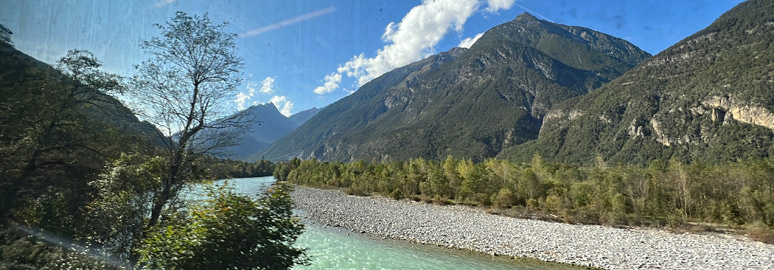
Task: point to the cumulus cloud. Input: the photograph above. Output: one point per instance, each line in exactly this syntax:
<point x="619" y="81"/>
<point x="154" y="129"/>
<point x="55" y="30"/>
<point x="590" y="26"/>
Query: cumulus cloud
<point x="466" y="43"/>
<point x="267" y="86"/>
<point x="413" y="38"/>
<point x="283" y="104"/>
<point x="331" y="83"/>
<point x="410" y="40"/>
<point x="496" y="5"/>
<point x="243" y="97"/>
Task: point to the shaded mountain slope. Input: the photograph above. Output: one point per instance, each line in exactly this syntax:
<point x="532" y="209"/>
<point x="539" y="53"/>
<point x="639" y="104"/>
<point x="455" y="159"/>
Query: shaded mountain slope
<point x="468" y="103"/>
<point x="18" y="69"/>
<point x="269" y="125"/>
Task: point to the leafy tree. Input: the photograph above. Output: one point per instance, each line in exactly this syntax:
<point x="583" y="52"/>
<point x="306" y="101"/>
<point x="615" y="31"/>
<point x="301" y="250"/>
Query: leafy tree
<point x="229" y="231"/>
<point x="528" y="185"/>
<point x="182" y="89"/>
<point x="121" y="202"/>
<point x="52" y="125"/>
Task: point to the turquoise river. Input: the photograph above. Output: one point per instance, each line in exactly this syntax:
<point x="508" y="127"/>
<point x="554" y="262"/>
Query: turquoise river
<point x="337" y="248"/>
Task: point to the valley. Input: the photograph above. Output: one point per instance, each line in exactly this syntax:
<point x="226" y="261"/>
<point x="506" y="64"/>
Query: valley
<point x="534" y="144"/>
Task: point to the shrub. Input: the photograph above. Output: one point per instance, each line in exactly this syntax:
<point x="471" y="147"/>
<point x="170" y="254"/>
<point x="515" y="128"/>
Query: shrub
<point x="229" y="231"/>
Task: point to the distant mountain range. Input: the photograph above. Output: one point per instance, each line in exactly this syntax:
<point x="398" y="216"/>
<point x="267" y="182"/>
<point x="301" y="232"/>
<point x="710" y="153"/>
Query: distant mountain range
<point x="530" y="87"/>
<point x="470" y="103"/>
<point x="710" y="98"/>
<point x="269" y="126"/>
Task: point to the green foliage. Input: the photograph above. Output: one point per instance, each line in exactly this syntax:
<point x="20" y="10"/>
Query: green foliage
<point x="504" y="198"/>
<point x="192" y="69"/>
<point x="78" y="166"/>
<point x="215" y="168"/>
<point x="59" y="127"/>
<point x="228" y="231"/>
<point x="115" y="215"/>
<point x="666" y="193"/>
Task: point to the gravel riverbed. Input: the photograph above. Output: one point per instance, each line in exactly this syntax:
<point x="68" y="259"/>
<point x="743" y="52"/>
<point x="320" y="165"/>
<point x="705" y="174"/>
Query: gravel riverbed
<point x="469" y="228"/>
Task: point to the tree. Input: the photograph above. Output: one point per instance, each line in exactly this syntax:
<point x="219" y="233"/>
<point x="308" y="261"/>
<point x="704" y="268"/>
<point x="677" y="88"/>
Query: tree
<point x="182" y="89"/>
<point x="50" y="124"/>
<point x="114" y="219"/>
<point x="528" y="185"/>
<point x="229" y="231"/>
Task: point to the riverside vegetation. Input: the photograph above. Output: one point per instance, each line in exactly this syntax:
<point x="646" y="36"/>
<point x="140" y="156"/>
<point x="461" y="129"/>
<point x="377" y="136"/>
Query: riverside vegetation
<point x="85" y="185"/>
<point x="665" y="193"/>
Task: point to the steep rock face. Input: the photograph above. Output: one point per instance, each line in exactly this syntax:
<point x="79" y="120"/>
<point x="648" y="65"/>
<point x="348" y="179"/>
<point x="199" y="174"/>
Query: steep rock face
<point x="709" y="97"/>
<point x="467" y="103"/>
<point x="724" y="108"/>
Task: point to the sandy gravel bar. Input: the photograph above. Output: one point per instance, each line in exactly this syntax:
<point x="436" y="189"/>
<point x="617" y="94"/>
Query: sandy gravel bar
<point x="469" y="228"/>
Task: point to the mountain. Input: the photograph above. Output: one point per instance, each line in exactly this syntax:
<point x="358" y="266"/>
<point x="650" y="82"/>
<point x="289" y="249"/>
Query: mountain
<point x="710" y="97"/>
<point x="18" y="70"/>
<point x="465" y="102"/>
<point x="301" y="117"/>
<point x="270" y="126"/>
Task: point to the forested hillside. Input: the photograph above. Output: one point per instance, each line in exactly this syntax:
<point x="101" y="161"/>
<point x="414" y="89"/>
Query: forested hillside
<point x="709" y="97"/>
<point x="469" y="103"/>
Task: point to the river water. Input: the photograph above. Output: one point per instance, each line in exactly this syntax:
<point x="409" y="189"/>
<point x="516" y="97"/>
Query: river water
<point x="336" y="248"/>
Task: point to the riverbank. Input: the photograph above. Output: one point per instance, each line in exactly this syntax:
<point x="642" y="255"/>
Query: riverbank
<point x="468" y="228"/>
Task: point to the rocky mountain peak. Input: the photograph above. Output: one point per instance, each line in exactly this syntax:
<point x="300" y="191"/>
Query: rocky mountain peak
<point x="526" y="17"/>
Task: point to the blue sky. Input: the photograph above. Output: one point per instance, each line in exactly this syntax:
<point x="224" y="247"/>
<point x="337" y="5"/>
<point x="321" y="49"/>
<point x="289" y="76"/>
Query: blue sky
<point x="303" y="54"/>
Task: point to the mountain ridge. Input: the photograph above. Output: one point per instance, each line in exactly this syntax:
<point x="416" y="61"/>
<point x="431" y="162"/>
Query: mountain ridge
<point x="465" y="102"/>
<point x="269" y="125"/>
<point x="706" y="98"/>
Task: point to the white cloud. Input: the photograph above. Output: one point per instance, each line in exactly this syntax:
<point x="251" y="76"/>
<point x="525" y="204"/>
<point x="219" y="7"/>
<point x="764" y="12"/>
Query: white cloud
<point x="331" y="83"/>
<point x="496" y="5"/>
<point x="163" y="3"/>
<point x="466" y="43"/>
<point x="412" y="39"/>
<point x="242" y="98"/>
<point x="283" y="104"/>
<point x="267" y="86"/>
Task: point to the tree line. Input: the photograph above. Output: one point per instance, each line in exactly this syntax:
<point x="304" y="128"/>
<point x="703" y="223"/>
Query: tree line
<point x="216" y="168"/>
<point x="664" y="193"/>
